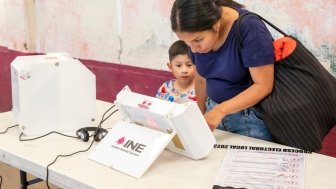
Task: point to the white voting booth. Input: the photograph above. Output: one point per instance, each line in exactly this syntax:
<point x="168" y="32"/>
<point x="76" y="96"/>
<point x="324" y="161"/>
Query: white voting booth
<point x="149" y="126"/>
<point x="52" y="92"/>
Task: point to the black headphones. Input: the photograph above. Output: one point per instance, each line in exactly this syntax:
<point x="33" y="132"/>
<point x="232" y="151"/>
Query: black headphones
<point x="99" y="133"/>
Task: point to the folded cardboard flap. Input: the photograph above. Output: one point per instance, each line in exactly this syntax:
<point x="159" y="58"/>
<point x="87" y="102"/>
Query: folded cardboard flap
<point x="130" y="148"/>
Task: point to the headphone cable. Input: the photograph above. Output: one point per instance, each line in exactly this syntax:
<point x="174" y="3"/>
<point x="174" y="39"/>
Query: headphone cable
<point x="9" y="128"/>
<point x="29" y="139"/>
<point x="99" y="126"/>
<point x="67" y="155"/>
<point x="103" y="120"/>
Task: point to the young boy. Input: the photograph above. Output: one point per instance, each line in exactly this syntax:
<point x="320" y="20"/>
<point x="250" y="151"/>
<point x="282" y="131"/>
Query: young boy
<point x="182" y="88"/>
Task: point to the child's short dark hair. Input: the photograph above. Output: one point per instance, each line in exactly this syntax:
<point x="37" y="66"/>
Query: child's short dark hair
<point x="178" y="48"/>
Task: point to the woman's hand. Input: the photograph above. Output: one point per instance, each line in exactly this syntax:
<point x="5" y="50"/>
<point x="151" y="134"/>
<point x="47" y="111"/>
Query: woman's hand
<point x="214" y="117"/>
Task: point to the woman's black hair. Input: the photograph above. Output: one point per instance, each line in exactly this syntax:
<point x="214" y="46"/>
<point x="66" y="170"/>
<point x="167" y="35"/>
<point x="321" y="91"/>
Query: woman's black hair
<point x="198" y="15"/>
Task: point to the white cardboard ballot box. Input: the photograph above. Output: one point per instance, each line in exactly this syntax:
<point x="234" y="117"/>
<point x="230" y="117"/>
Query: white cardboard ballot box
<point x="149" y="126"/>
<point x="52" y="92"/>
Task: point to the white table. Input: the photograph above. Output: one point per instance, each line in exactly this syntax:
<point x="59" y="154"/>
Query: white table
<point x="168" y="171"/>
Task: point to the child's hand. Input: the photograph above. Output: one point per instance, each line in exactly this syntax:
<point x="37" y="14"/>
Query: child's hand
<point x="214" y="118"/>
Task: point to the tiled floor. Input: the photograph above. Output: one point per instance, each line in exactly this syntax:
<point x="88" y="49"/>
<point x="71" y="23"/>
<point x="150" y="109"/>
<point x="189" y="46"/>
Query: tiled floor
<point x="11" y="179"/>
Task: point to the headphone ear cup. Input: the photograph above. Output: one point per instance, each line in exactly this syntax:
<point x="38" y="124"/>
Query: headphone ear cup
<point x="99" y="134"/>
<point x="83" y="134"/>
<point x="86" y="135"/>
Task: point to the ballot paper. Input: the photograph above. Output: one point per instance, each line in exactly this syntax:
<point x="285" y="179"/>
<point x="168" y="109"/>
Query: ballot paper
<point x="261" y="170"/>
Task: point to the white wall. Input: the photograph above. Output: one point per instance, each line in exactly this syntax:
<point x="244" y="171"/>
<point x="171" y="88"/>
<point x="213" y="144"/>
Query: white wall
<point x="312" y="22"/>
<point x="85" y="29"/>
<point x="13" y="27"/>
<point x="138" y="32"/>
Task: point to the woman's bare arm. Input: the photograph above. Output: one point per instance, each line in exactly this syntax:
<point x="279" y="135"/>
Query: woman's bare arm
<point x="263" y="80"/>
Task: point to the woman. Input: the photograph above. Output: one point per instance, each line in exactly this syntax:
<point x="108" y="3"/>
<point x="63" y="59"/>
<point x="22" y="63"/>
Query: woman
<point x="230" y="81"/>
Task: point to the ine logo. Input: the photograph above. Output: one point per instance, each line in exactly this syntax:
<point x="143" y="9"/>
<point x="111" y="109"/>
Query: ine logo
<point x="145" y="104"/>
<point x="120" y="140"/>
<point x="131" y="145"/>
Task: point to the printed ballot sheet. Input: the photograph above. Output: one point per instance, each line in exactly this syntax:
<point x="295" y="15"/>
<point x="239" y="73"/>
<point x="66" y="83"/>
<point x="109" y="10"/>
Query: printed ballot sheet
<point x="261" y="170"/>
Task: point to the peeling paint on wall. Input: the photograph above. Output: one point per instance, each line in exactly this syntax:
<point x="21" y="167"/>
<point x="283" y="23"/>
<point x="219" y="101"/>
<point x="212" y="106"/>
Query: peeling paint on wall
<point x="13" y="30"/>
<point x="146" y="34"/>
<point x="85" y="29"/>
<point x="313" y="23"/>
<point x="138" y="33"/>
<point x="3" y="25"/>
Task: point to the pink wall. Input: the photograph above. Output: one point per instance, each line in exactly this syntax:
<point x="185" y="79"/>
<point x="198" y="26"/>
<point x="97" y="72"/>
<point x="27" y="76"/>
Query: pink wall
<point x="6" y="57"/>
<point x="110" y="78"/>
